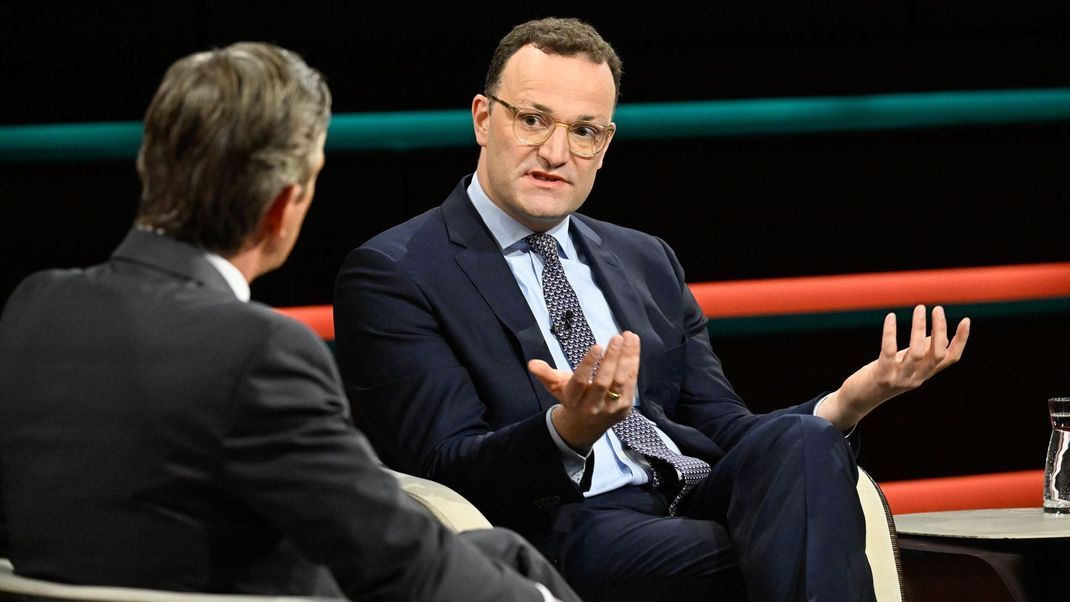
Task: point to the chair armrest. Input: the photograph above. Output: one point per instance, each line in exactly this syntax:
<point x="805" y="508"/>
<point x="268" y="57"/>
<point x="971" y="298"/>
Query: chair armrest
<point x="882" y="550"/>
<point x="445" y="504"/>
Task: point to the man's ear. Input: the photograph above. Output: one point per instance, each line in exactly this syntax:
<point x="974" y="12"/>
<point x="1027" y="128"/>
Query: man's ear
<point x="274" y="222"/>
<point x="481" y="118"/>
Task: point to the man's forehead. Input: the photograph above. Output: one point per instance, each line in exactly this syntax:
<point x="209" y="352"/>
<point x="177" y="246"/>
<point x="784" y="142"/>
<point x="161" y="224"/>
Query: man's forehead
<point x="549" y="82"/>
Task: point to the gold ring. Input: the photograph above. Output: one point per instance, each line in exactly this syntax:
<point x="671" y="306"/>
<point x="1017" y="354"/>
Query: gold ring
<point x="613" y="396"/>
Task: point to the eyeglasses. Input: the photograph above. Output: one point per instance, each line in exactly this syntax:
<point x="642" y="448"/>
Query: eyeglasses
<point x="533" y="128"/>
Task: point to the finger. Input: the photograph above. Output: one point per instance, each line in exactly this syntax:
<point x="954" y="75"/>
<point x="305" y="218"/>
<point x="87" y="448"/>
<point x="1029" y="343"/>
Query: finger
<point x="958" y="343"/>
<point x="607" y="370"/>
<point x="585" y="372"/>
<point x="550" y="378"/>
<point x="627" y="369"/>
<point x="888" y="344"/>
<point x="589" y="365"/>
<point x="938" y="344"/>
<point x="917" y="337"/>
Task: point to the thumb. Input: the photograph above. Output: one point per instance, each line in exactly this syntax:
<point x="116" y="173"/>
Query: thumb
<point x="548" y="376"/>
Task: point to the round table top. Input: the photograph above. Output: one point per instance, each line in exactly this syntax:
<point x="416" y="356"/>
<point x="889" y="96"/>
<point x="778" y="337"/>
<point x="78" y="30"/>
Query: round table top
<point x="1003" y="523"/>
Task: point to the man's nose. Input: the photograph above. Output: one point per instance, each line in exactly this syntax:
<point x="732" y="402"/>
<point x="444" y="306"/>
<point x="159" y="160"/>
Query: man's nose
<point x="555" y="150"/>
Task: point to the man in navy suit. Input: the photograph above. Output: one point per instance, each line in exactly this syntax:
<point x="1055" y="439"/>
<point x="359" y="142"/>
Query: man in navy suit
<point x="466" y="338"/>
<point x="158" y="430"/>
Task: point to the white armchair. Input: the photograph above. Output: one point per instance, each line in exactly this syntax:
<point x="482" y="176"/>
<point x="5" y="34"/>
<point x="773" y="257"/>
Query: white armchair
<point x="459" y="515"/>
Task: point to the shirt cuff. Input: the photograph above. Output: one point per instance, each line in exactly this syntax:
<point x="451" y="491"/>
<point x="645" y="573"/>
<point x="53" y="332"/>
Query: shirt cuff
<point x="573" y="462"/>
<point x="818" y="405"/>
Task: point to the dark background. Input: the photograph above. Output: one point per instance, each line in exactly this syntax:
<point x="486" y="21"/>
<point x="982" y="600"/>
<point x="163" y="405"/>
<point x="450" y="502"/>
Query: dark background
<point x="733" y="207"/>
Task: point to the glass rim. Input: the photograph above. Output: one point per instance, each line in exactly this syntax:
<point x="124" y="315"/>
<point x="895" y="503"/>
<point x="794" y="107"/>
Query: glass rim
<point x="606" y="130"/>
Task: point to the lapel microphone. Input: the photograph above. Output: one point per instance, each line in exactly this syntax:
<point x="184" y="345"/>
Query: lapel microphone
<point x="566" y="325"/>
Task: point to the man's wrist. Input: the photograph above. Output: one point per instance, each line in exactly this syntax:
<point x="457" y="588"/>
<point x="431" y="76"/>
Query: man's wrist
<point x="575" y="463"/>
<point x="829" y="407"/>
<point x="580" y="442"/>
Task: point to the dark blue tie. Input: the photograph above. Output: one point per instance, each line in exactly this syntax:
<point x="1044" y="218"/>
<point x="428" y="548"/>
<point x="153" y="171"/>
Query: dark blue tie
<point x="572" y="331"/>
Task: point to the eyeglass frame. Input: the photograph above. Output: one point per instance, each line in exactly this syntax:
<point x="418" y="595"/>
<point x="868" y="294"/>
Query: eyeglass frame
<point x="608" y="129"/>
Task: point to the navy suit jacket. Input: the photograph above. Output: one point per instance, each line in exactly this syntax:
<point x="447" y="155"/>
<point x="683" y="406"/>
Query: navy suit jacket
<point x="433" y="337"/>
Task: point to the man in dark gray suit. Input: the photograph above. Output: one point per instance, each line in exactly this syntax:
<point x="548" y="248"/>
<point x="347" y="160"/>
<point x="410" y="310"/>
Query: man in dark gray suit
<point x="158" y="431"/>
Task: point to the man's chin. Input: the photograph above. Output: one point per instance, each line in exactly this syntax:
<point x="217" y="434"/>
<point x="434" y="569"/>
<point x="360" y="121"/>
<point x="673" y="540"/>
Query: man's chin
<point x="548" y="204"/>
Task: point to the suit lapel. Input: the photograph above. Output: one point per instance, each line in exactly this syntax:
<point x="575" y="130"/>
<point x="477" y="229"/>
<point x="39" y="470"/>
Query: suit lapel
<point x="615" y="282"/>
<point x="480" y="258"/>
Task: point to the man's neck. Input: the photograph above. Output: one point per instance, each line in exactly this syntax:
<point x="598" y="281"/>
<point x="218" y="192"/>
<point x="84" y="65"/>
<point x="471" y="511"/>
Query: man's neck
<point x="505" y="229"/>
<point x="250" y="263"/>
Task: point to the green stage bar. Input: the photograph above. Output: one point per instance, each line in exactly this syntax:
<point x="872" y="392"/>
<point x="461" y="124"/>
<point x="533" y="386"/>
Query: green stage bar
<point x="403" y="131"/>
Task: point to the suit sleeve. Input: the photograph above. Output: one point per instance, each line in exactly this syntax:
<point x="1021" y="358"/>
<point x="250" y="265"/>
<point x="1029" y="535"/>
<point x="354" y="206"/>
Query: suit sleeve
<point x="707" y="401"/>
<point x="292" y="455"/>
<point x="411" y="385"/>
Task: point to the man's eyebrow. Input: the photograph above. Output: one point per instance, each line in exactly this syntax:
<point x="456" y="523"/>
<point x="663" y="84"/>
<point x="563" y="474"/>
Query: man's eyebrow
<point x="549" y="111"/>
<point x="543" y="108"/>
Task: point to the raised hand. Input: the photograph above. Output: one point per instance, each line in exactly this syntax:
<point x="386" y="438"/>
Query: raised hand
<point x="597" y="395"/>
<point x="896" y="371"/>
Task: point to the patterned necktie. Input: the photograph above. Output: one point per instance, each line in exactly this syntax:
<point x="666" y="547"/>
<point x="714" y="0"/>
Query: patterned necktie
<point x="570" y="327"/>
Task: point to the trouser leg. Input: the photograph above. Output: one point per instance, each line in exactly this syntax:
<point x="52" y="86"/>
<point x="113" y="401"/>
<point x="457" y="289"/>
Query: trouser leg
<point x="622" y="548"/>
<point x="786" y="495"/>
<point x="516" y="552"/>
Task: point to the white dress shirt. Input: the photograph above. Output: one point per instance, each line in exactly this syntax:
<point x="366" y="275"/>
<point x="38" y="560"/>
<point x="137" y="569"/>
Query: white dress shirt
<point x="232" y="275"/>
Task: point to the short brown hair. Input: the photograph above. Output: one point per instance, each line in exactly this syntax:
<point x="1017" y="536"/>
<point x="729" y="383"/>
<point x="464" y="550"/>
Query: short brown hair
<point x="566" y="37"/>
<point x="225" y="132"/>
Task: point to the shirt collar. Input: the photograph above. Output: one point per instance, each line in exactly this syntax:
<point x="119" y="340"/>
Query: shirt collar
<point x="232" y="275"/>
<point x="509" y="233"/>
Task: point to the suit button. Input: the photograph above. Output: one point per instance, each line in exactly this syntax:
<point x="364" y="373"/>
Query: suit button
<point x="548" y="501"/>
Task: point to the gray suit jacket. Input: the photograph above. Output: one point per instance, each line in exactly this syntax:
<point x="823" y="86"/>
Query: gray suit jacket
<point x="157" y="432"/>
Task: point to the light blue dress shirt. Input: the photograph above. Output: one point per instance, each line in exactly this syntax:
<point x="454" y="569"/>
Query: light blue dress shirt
<point x="615" y="466"/>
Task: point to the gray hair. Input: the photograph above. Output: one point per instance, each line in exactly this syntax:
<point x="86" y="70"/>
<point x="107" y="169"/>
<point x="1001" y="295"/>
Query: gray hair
<point x="227" y="130"/>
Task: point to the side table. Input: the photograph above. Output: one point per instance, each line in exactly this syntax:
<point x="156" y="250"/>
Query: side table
<point x="1004" y="555"/>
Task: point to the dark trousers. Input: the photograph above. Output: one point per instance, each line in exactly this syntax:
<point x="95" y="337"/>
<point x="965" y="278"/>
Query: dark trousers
<point x="516" y="553"/>
<point x="777" y="519"/>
